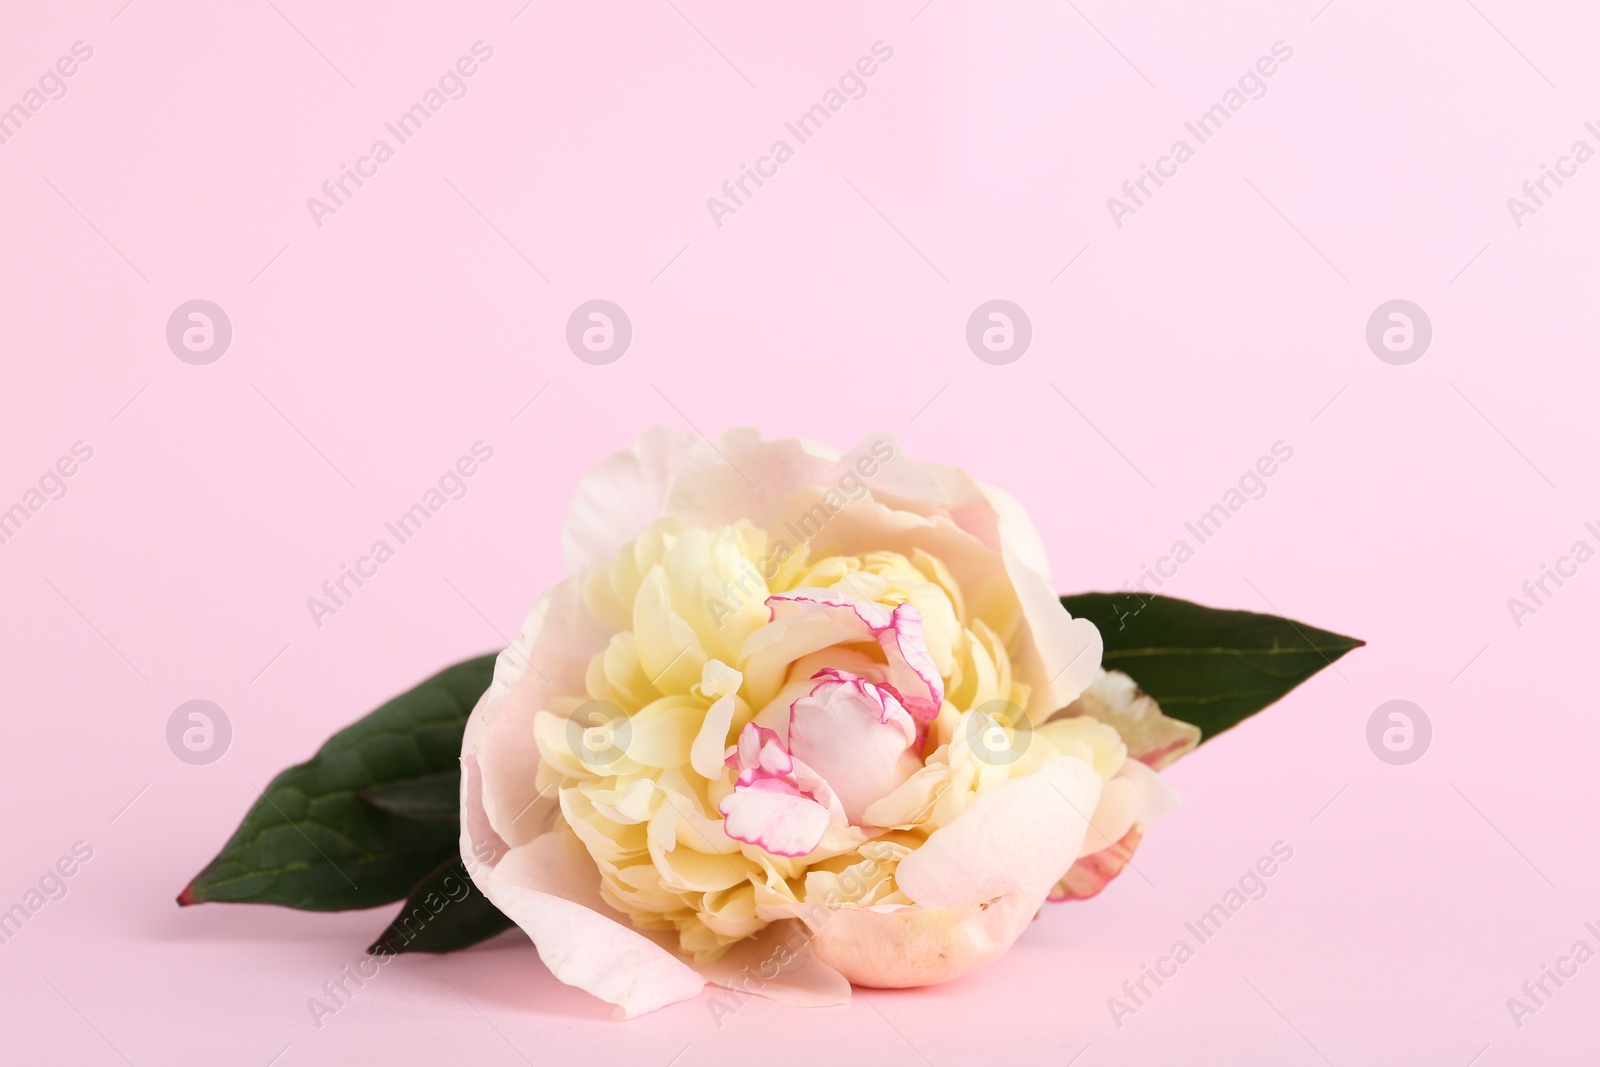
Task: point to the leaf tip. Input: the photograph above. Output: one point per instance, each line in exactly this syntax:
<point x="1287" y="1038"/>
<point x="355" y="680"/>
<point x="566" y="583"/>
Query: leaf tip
<point x="187" y="897"/>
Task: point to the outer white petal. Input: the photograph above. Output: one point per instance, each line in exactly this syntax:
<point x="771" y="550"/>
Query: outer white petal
<point x="549" y="887"/>
<point x="779" y="964"/>
<point x="1067" y="650"/>
<point x="550" y="656"/>
<point x="900" y="947"/>
<point x="622" y="495"/>
<point x="1151" y="737"/>
<point x="1019" y="837"/>
<point x="744" y="477"/>
<point x="1136" y="796"/>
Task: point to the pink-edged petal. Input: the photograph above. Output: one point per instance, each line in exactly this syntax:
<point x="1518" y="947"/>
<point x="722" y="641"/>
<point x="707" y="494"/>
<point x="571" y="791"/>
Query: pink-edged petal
<point x="898" y="632"/>
<point x="550" y="888"/>
<point x="759" y="753"/>
<point x="1092" y="873"/>
<point x="622" y="495"/>
<point x="778" y="803"/>
<point x="1134" y="799"/>
<point x="776" y="819"/>
<point x="857" y="736"/>
<point x="1019" y="837"/>
<point x="778" y="964"/>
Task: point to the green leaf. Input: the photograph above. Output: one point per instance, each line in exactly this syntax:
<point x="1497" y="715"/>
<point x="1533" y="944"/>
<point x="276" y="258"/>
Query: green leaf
<point x="432" y="796"/>
<point x="443" y="913"/>
<point x="312" y="842"/>
<point x="1206" y="666"/>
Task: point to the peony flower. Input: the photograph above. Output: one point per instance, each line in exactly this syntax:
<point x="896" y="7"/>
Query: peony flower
<point x="794" y="721"/>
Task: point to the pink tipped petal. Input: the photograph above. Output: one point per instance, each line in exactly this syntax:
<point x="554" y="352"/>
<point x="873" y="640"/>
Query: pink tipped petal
<point x="778" y="803"/>
<point x="1092" y="873"/>
<point x="857" y="736"/>
<point x="1137" y="796"/>
<point x="911" y="668"/>
<point x="760" y="754"/>
<point x="775" y="819"/>
<point x="1019" y="837"/>
<point x="549" y="887"/>
<point x="898" y="633"/>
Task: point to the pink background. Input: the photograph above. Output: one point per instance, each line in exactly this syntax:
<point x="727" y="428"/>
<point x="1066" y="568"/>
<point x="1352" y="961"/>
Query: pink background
<point x="1227" y="314"/>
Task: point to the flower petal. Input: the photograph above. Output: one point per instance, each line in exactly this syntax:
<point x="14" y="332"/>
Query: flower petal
<point x="1151" y="737"/>
<point x="1019" y="837"/>
<point x="772" y="817"/>
<point x="1092" y="873"/>
<point x="551" y="654"/>
<point x="817" y="618"/>
<point x="622" y="495"/>
<point x="857" y="736"/>
<point x="899" y="947"/>
<point x="778" y="963"/>
<point x="706" y="755"/>
<point x="1065" y="651"/>
<point x="549" y="887"/>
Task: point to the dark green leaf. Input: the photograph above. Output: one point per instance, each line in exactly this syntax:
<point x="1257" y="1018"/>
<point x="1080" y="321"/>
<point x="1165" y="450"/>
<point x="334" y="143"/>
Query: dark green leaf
<point x="1206" y="666"/>
<point x="311" y="842"/>
<point x="444" y="913"/>
<point x="433" y="796"/>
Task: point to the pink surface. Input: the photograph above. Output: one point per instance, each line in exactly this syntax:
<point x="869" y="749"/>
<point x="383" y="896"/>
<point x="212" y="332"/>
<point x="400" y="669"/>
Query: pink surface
<point x="1226" y="314"/>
